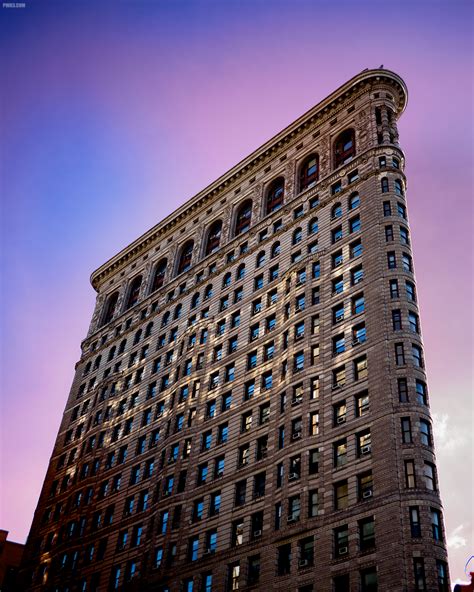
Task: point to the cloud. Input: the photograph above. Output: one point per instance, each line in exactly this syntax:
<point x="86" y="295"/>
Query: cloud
<point x="455" y="539"/>
<point x="448" y="439"/>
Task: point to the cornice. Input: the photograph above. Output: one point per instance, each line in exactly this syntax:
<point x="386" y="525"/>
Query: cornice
<point x="244" y="168"/>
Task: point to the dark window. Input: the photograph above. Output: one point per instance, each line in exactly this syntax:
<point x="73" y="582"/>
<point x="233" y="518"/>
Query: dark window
<point x="309" y="172"/>
<point x="185" y="257"/>
<point x="214" y="237"/>
<point x="243" y="218"/>
<point x="110" y="307"/>
<point x="159" y="277"/>
<point x="133" y="292"/>
<point x="344" y="148"/>
<point x="275" y="195"/>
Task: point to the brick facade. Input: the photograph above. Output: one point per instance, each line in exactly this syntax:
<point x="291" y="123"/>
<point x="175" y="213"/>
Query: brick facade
<point x="302" y="371"/>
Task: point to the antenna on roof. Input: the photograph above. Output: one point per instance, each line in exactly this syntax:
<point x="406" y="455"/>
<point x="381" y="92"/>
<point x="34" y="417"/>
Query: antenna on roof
<point x="381" y="67"/>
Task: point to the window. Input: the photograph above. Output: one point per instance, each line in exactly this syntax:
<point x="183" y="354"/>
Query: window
<point x="368" y="580"/>
<point x="406" y="430"/>
<point x="391" y="260"/>
<point x="410" y="476"/>
<point x="313" y="503"/>
<point x="275" y="251"/>
<point x="352" y="176"/>
<point x="367" y="534"/>
<point x="421" y="393"/>
<point x="442" y="573"/>
<point x="133" y="292"/>
<point x="215" y="503"/>
<point x="336" y="234"/>
<point x="404" y="236"/>
<point x="249" y="389"/>
<point x="275" y="195"/>
<point x="211" y="541"/>
<point x="396" y="319"/>
<point x="341" y="583"/>
<point x="399" y="354"/>
<point x="415" y="525"/>
<point x="214" y="237"/>
<point x="360" y="368"/>
<point x="358" y="334"/>
<point x="354" y="201"/>
<point x="336" y="211"/>
<point x="398" y="186"/>
<point x="309" y="172"/>
<point x="410" y="291"/>
<point x="259" y="485"/>
<point x="339" y="413"/>
<point x="233" y="576"/>
<point x="339" y="377"/>
<point x="109" y="309"/>
<point x="273" y="273"/>
<point x="407" y="262"/>
<point x="394" y="289"/>
<point x="429" y="476"/>
<point x="284" y="559"/>
<point x="243" y="218"/>
<point x="297" y="236"/>
<point x="387" y="209"/>
<point x="425" y="433"/>
<point x="419" y="572"/>
<point x="344" y="148"/>
<point x="341" y="495"/>
<point x="384" y="186"/>
<point x="338" y="285"/>
<point x="389" y="233"/>
<point x="417" y="354"/>
<point x="341" y="541"/>
<point x="235" y="320"/>
<point x="338" y="344"/>
<point x="354" y="224"/>
<point x="202" y="474"/>
<point x="436" y="526"/>
<point x="253" y="570"/>
<point x="306" y="551"/>
<point x="222" y="433"/>
<point x="365" y="486"/>
<point x="185" y="257"/>
<point x="240" y="492"/>
<point x="355" y="249"/>
<point x="357" y="304"/>
<point x="340" y="453"/>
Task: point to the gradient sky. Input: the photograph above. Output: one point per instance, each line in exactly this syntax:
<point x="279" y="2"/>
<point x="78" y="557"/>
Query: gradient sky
<point x="115" y="113"/>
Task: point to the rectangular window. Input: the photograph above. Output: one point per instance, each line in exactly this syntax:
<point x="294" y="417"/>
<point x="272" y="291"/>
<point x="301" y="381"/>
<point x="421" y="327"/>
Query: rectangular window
<point x="406" y="430"/>
<point x="341" y="495"/>
<point x="410" y="476"/>
<point x="391" y="260"/>
<point x="367" y="534"/>
<point x="394" y="293"/>
<point x="341" y="541"/>
<point x="419" y="572"/>
<point x="399" y="354"/>
<point x="415" y="525"/>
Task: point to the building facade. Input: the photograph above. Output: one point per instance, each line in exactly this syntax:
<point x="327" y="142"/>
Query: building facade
<point x="250" y="408"/>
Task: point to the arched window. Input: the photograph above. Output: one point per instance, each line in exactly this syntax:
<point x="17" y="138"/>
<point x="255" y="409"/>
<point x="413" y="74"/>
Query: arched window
<point x="260" y="260"/>
<point x="185" y="257"/>
<point x="97" y="362"/>
<point x="87" y="369"/>
<point x="354" y="201"/>
<point x="133" y="292"/>
<point x="243" y="218"/>
<point x="398" y="186"/>
<point x="384" y="184"/>
<point x="149" y="329"/>
<point x="166" y="319"/>
<point x="275" y="249"/>
<point x="297" y="236"/>
<point x="177" y="311"/>
<point x="336" y="211"/>
<point x="109" y="308"/>
<point x="275" y="194"/>
<point x="208" y="292"/>
<point x="159" y="277"/>
<point x="195" y="300"/>
<point x="313" y="226"/>
<point x="309" y="172"/>
<point x="214" y="237"/>
<point x="240" y="272"/>
<point x="344" y="147"/>
<point x="122" y="346"/>
<point x="226" y="280"/>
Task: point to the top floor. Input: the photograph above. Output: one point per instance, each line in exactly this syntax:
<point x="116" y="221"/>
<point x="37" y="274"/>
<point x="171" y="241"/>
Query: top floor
<point x="310" y="155"/>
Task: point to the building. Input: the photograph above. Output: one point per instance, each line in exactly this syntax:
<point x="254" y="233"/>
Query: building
<point x="10" y="559"/>
<point x="250" y="408"/>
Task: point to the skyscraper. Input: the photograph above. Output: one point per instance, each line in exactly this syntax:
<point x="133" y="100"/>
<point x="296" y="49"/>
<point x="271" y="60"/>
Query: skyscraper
<point x="250" y="408"/>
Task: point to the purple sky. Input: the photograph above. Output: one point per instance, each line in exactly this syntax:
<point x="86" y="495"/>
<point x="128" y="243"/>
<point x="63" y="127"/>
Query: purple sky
<point x="113" y="114"/>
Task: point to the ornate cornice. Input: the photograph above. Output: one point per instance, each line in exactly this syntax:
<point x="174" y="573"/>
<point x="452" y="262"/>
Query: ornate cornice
<point x="315" y="116"/>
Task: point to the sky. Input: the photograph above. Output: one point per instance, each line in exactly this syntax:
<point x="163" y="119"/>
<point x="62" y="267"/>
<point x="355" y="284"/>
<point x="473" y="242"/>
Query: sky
<point x="115" y="113"/>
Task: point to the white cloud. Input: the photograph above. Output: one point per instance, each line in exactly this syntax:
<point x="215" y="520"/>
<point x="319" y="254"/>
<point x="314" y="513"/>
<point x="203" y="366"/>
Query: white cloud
<point x="455" y="539"/>
<point x="448" y="439"/>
